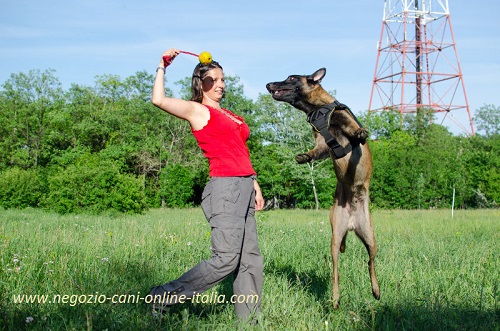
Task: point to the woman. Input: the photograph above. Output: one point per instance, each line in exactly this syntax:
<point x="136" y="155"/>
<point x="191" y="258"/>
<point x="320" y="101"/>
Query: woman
<point x="229" y="199"/>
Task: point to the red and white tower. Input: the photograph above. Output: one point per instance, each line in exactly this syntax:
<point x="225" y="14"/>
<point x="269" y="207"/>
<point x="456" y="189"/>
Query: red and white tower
<point x="417" y="64"/>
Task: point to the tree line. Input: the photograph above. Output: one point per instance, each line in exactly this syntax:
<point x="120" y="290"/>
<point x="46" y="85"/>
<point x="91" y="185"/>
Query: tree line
<point x="106" y="148"/>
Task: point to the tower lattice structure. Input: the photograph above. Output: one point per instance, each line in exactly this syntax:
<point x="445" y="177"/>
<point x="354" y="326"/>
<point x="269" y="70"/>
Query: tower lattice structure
<point x="417" y="65"/>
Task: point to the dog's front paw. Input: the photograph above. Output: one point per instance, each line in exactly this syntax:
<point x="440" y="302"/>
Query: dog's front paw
<point x="361" y="134"/>
<point x="303" y="158"/>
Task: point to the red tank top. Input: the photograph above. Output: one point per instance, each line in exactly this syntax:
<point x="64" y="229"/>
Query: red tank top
<point x="223" y="142"/>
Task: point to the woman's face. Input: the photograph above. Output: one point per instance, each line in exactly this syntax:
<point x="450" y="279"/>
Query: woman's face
<point x="213" y="85"/>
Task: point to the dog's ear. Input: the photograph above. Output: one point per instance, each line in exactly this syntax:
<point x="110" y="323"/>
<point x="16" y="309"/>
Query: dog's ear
<point x="317" y="76"/>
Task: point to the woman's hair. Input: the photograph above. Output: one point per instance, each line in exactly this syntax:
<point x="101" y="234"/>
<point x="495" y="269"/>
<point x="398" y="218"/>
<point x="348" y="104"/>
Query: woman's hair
<point x="199" y="73"/>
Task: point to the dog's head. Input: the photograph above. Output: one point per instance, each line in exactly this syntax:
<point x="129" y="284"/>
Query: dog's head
<point x="300" y="91"/>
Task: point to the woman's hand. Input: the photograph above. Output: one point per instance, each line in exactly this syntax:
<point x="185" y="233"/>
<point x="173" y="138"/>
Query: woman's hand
<point x="259" y="199"/>
<point x="168" y="57"/>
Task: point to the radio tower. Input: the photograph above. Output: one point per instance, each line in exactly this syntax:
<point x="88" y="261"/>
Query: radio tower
<point x="417" y="64"/>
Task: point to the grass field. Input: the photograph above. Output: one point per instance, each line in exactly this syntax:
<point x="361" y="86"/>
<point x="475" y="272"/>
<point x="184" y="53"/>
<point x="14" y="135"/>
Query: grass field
<point x="435" y="272"/>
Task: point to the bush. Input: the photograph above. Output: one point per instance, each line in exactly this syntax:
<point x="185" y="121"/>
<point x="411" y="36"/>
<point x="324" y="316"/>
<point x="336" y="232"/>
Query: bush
<point x="20" y="188"/>
<point x="94" y="185"/>
<point x="176" y="185"/>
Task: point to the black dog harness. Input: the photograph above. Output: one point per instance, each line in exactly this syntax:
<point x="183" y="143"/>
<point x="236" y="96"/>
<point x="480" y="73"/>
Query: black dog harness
<point x="320" y="121"/>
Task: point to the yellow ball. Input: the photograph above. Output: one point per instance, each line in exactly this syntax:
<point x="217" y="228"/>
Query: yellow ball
<point x="205" y="58"/>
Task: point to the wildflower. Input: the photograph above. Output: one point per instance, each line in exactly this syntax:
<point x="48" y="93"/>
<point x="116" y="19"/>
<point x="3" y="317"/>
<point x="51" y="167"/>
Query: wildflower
<point x="189" y="243"/>
<point x="15" y="260"/>
<point x="29" y="319"/>
<point x="105" y="259"/>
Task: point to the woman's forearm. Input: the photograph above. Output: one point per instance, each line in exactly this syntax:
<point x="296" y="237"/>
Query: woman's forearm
<point x="159" y="86"/>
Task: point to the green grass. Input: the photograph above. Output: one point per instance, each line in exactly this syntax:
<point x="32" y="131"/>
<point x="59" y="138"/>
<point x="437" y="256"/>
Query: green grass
<point x="435" y="272"/>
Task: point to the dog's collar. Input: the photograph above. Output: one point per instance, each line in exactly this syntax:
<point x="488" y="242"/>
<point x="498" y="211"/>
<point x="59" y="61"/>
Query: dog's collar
<point x="320" y="121"/>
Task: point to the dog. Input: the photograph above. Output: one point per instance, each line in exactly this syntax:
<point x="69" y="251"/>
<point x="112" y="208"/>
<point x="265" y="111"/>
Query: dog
<point x="340" y="136"/>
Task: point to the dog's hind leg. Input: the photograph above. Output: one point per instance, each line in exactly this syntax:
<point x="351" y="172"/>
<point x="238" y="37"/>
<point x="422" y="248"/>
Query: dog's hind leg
<point x="342" y="244"/>
<point x="364" y="230"/>
<point x="338" y="217"/>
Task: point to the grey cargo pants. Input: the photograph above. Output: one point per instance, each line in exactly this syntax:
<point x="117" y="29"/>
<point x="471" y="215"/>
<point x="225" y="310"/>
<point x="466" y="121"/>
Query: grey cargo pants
<point x="229" y="206"/>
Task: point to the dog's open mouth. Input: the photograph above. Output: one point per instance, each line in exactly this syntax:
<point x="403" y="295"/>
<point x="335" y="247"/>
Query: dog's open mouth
<point x="277" y="93"/>
<point x="280" y="93"/>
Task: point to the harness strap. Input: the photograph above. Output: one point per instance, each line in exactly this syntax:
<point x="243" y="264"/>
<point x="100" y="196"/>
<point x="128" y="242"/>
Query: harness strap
<point x="320" y="121"/>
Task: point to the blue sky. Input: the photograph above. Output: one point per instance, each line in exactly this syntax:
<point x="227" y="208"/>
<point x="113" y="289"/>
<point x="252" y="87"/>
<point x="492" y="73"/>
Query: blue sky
<point x="260" y="41"/>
